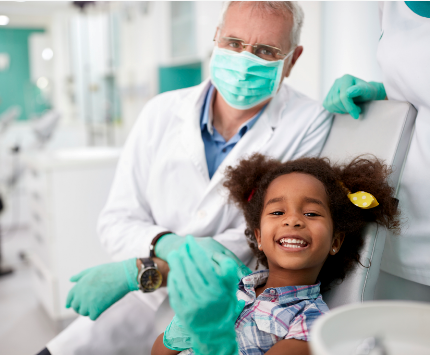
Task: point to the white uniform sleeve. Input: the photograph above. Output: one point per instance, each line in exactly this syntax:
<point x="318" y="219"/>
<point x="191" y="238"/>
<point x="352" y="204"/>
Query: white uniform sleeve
<point x="125" y="226"/>
<point x="314" y="140"/>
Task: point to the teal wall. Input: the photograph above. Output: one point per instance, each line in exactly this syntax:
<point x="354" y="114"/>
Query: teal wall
<point x="15" y="86"/>
<point x="179" y="77"/>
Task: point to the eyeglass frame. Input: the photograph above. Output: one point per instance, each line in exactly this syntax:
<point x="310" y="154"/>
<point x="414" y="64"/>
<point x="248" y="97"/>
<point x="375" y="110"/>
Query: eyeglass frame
<point x="254" y="46"/>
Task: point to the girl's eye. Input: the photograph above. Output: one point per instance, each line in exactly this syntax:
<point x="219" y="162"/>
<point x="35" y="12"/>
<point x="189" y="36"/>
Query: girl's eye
<point x="277" y="213"/>
<point x="311" y="214"/>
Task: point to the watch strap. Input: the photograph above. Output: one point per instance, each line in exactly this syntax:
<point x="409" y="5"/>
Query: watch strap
<point x="147" y="262"/>
<point x="154" y="241"/>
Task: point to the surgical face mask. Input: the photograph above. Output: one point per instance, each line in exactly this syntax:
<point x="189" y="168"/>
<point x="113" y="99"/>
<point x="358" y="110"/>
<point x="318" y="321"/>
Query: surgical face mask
<point x="243" y="79"/>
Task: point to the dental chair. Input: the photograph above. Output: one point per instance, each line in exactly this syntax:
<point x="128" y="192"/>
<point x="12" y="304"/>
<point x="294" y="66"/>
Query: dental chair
<point x="383" y="129"/>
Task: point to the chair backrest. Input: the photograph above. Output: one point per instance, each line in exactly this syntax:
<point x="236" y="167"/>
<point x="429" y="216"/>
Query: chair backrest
<point x="383" y="129"/>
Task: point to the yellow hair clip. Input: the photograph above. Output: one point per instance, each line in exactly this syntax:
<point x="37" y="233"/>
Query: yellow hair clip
<point x="361" y="199"/>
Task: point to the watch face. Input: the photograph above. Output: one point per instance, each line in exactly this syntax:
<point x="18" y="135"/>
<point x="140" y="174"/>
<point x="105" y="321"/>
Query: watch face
<point x="151" y="280"/>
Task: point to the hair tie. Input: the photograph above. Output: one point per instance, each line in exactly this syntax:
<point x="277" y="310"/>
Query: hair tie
<point x="360" y="199"/>
<point x="251" y="194"/>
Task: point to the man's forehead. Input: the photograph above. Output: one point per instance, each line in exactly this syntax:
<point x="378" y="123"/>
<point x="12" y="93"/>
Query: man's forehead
<point x="249" y="22"/>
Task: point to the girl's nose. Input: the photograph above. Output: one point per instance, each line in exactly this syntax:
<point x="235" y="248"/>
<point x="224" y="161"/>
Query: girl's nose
<point x="293" y="220"/>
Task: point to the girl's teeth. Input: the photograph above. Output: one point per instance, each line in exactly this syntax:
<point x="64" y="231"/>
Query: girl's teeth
<point x="292" y="243"/>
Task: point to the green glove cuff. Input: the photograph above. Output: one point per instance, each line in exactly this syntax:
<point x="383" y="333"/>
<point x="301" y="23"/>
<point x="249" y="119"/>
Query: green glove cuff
<point x="166" y="244"/>
<point x="380" y="90"/>
<point x="176" y="337"/>
<point x="130" y="269"/>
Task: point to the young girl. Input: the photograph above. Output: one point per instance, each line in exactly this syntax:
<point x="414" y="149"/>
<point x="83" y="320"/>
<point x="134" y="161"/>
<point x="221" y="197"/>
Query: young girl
<point x="305" y="226"/>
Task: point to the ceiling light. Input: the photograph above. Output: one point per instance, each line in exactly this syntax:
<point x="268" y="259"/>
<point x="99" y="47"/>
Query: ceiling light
<point x="47" y="54"/>
<point x="42" y="82"/>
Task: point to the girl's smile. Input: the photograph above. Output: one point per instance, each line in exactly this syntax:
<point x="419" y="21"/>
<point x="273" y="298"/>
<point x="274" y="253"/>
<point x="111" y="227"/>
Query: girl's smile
<point x="293" y="243"/>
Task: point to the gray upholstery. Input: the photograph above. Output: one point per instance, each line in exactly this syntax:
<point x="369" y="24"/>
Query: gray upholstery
<point x="384" y="129"/>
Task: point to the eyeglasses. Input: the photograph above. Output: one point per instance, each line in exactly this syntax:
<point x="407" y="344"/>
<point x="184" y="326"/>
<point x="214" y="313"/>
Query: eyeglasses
<point x="264" y="51"/>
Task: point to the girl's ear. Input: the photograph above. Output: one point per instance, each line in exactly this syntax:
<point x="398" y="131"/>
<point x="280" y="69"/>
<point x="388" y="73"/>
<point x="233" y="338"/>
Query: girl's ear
<point x="258" y="237"/>
<point x="337" y="242"/>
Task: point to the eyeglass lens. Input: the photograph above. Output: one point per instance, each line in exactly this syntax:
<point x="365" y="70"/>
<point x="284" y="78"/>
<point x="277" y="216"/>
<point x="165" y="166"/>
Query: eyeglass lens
<point x="260" y="50"/>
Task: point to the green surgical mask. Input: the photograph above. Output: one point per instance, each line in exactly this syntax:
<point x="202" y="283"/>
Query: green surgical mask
<point x="243" y="79"/>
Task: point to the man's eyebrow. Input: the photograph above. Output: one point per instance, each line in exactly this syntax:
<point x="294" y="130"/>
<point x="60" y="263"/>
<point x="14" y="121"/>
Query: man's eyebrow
<point x="268" y="43"/>
<point x="274" y="200"/>
<point x="314" y="200"/>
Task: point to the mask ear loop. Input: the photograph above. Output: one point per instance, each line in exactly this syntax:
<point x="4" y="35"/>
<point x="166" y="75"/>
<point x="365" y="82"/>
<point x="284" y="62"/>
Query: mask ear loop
<point x="289" y="56"/>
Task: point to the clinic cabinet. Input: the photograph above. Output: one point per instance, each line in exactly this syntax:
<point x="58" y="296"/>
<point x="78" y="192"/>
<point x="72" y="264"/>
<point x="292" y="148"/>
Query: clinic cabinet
<point x="67" y="191"/>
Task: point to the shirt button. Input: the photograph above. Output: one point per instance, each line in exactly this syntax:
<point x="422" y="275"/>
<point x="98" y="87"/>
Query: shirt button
<point x="201" y="214"/>
<point x="272" y="292"/>
<point x="224" y="150"/>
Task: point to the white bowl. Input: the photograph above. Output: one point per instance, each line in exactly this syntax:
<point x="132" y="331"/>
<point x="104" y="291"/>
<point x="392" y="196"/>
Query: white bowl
<point x="400" y="328"/>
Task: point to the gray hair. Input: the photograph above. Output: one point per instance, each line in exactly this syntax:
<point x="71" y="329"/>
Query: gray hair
<point x="284" y="7"/>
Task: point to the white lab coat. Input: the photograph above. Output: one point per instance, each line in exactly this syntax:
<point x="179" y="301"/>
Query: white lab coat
<point x="404" y="57"/>
<point x="162" y="183"/>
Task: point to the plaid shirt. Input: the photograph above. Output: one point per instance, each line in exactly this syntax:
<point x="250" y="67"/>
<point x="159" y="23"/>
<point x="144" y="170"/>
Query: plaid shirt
<point x="276" y="314"/>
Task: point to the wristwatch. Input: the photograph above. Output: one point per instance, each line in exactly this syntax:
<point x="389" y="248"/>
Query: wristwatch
<point x="149" y="278"/>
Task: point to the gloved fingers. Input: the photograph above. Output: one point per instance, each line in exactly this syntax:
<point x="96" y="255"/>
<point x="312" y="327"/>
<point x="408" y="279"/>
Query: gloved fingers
<point x="76" y="305"/>
<point x="331" y="102"/>
<point x="355" y="91"/>
<point x="94" y="313"/>
<point x="197" y="277"/>
<point x="241" y="271"/>
<point x="228" y="274"/>
<point x="349" y="105"/>
<point x="77" y="277"/>
<point x="70" y="296"/>
<point x="83" y="310"/>
<point x="336" y="104"/>
<point x="177" y="274"/>
<point x="175" y="294"/>
<point x="197" y="262"/>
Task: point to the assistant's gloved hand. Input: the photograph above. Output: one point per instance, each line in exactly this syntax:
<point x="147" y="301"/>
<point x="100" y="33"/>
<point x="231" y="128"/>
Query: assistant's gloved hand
<point x="99" y="287"/>
<point x="170" y="242"/>
<point x="348" y="90"/>
<point x="204" y="300"/>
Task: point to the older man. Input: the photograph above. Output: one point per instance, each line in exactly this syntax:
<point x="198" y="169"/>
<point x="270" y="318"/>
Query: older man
<point x="169" y="178"/>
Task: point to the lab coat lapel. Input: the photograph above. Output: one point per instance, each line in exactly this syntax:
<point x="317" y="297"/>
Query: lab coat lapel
<point x="191" y="136"/>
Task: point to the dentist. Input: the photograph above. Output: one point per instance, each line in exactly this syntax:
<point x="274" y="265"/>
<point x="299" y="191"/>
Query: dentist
<point x="169" y="178"/>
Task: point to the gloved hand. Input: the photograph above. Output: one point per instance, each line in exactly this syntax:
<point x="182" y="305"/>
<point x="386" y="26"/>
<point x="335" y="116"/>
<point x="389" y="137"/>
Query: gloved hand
<point x="204" y="300"/>
<point x="170" y="242"/>
<point x="99" y="287"/>
<point x="348" y="90"/>
<point x="177" y="338"/>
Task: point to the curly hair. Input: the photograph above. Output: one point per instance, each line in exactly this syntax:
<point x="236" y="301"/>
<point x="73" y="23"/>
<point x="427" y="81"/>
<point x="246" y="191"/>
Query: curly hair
<point x="248" y="181"/>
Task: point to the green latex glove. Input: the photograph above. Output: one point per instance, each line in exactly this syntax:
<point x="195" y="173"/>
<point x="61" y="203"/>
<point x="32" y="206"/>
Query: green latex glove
<point x="204" y="300"/>
<point x="99" y="287"/>
<point x="177" y="338"/>
<point x="170" y="242"/>
<point x="348" y="90"/>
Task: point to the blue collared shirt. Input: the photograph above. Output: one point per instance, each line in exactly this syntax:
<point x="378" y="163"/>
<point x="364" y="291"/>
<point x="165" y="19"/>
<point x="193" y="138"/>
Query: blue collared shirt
<point x="216" y="148"/>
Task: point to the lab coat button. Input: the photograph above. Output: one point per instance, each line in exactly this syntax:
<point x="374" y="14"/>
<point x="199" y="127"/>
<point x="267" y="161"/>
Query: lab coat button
<point x="201" y="214"/>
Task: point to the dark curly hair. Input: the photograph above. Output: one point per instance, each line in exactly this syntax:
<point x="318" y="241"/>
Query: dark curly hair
<point x="248" y="181"/>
